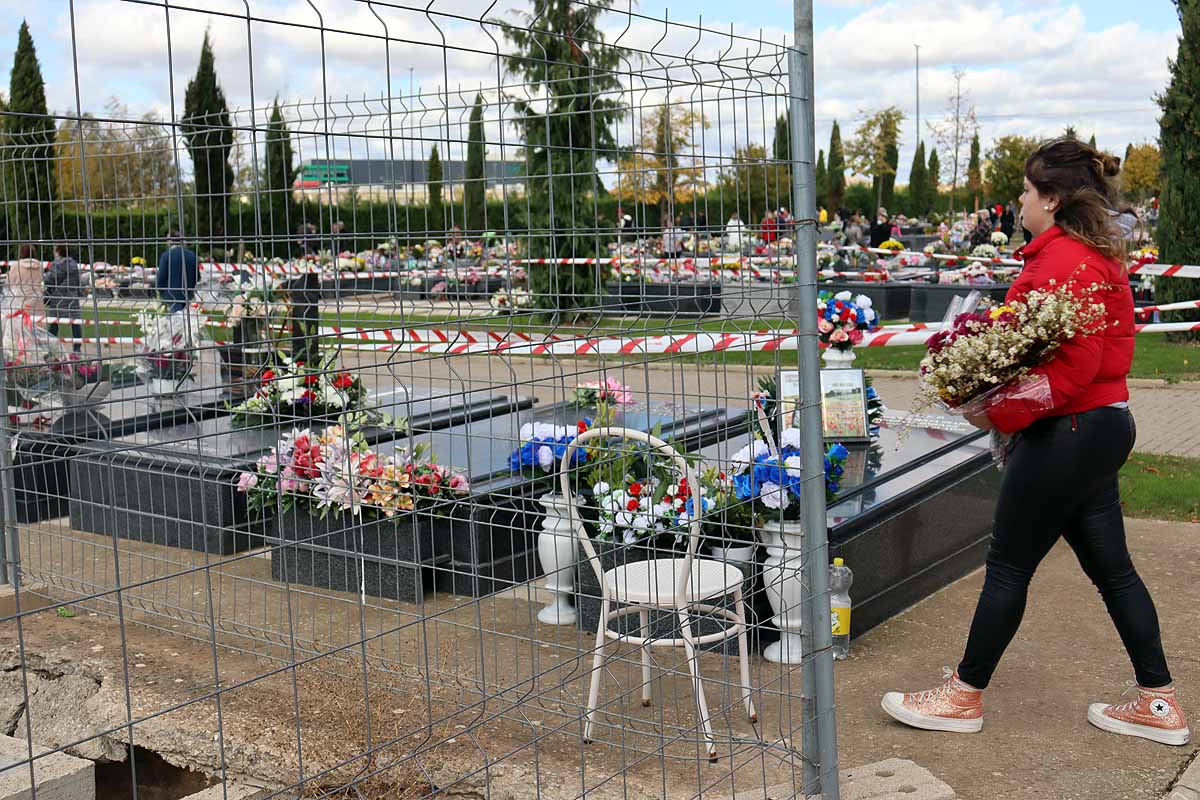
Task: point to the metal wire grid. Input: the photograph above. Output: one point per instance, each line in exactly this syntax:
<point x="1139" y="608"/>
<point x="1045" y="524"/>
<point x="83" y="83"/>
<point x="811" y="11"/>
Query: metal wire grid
<point x="481" y="658"/>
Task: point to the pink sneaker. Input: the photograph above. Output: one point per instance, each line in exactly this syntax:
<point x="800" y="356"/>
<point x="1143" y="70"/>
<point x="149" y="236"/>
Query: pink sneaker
<point x="954" y="706"/>
<point x="1154" y="715"/>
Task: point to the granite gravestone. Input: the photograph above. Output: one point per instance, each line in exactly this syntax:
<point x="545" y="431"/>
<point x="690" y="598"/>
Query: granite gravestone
<point x="177" y="486"/>
<point x="484" y="542"/>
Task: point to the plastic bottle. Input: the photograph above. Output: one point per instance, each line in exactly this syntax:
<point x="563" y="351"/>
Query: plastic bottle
<point x="840" y="578"/>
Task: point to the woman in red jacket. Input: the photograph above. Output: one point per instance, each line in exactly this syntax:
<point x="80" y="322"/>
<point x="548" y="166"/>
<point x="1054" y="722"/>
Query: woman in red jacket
<point x="1061" y="475"/>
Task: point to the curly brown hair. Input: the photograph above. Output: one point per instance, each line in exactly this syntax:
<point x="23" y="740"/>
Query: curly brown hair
<point x="1080" y="178"/>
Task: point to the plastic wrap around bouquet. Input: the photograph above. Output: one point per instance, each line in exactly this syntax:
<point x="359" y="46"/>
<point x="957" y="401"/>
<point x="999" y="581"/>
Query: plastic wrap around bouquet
<point x="176" y="358"/>
<point x="43" y="381"/>
<point x="983" y="356"/>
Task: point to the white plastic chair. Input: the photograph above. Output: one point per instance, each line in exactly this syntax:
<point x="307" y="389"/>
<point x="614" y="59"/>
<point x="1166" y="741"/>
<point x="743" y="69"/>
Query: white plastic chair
<point x="681" y="585"/>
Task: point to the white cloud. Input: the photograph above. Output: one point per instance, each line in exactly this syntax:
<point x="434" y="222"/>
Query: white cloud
<point x="1030" y="68"/>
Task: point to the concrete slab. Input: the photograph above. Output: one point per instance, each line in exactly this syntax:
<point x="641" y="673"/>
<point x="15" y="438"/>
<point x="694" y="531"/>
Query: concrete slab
<point x="1188" y="785"/>
<point x="57" y="776"/>
<point x="229" y="791"/>
<point x="892" y="779"/>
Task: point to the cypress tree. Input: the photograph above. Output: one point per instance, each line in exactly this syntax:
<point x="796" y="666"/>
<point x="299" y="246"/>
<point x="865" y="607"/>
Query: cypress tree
<point x="889" y="180"/>
<point x="280" y="208"/>
<point x="475" y="188"/>
<point x="781" y="173"/>
<point x="918" y="191"/>
<point x="974" y="171"/>
<point x="836" y="169"/>
<point x="29" y="132"/>
<point x="933" y="180"/>
<point x="822" y="182"/>
<point x="1092" y="141"/>
<point x="435" y="219"/>
<point x="209" y="139"/>
<point x="1178" y="233"/>
<point x="1128" y="152"/>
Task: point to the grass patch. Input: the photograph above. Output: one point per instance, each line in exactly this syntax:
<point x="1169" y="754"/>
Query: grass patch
<point x="1161" y="487"/>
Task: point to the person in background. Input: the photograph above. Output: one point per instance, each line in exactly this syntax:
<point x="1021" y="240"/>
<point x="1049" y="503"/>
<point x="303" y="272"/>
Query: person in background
<point x="672" y="238"/>
<point x="769" y="231"/>
<point x="178" y="272"/>
<point x="881" y="229"/>
<point x="734" y="230"/>
<point x="854" y="229"/>
<point x="63" y="291"/>
<point x="304" y="297"/>
<point x="823" y="216"/>
<point x="1008" y="220"/>
<point x="1061" y="477"/>
<point x="784" y="223"/>
<point x="25" y="283"/>
<point x="982" y="232"/>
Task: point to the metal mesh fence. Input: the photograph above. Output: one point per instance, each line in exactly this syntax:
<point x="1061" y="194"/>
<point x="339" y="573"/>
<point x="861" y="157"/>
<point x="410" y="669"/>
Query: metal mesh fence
<point x="291" y="383"/>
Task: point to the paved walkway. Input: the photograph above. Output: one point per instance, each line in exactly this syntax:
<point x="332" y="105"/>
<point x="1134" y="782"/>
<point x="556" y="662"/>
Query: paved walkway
<point x="1168" y="416"/>
<point x="1036" y="741"/>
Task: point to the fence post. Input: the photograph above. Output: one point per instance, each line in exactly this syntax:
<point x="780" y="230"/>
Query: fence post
<point x="819" y="734"/>
<point x="9" y="547"/>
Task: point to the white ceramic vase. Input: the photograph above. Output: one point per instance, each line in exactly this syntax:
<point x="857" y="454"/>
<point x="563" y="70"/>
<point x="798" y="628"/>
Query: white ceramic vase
<point x="781" y="575"/>
<point x="838" y="359"/>
<point x="743" y="554"/>
<point x="557" y="550"/>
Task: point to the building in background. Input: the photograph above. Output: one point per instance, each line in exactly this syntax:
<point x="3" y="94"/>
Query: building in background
<point x="333" y="180"/>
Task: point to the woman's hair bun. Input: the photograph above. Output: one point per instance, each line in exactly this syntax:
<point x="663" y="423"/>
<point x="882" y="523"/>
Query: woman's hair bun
<point x="1110" y="165"/>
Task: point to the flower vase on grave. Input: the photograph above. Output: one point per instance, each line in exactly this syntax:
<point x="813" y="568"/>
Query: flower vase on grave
<point x="838" y="359"/>
<point x="558" y="553"/>
<point x="781" y="576"/>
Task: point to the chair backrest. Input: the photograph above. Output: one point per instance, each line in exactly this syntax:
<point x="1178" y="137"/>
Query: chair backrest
<point x="660" y="448"/>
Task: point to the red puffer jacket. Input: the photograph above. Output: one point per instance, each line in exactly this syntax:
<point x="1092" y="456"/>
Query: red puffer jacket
<point x="1088" y="371"/>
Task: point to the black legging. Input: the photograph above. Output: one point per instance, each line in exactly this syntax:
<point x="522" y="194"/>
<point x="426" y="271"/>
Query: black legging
<point x="76" y="333"/>
<point x="1061" y="480"/>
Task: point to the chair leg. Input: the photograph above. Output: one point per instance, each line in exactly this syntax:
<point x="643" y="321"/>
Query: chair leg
<point x="597" y="669"/>
<point x="644" y="631"/>
<point x="693" y="660"/>
<point x="739" y="610"/>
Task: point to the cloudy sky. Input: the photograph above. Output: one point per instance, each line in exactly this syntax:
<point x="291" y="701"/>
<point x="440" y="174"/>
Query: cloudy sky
<point x="1031" y="66"/>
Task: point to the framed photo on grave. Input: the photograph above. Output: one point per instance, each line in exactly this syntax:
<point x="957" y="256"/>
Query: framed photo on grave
<point x="843" y="404"/>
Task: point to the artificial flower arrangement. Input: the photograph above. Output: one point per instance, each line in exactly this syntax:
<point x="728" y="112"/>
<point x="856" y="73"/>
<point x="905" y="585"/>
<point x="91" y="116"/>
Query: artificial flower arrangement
<point x="893" y="245"/>
<point x="510" y="299"/>
<point x="771" y="482"/>
<point x="1145" y="255"/>
<point x="973" y="274"/>
<point x="936" y="247"/>
<point x="595" y="393"/>
<point x="985" y="251"/>
<point x="294" y="389"/>
<point x="543" y="446"/>
<point x="981" y="355"/>
<point x="999" y="239"/>
<point x="335" y="472"/>
<point x="841" y="320"/>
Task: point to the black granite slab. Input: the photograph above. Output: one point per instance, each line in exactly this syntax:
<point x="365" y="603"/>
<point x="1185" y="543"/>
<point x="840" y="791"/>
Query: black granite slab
<point x="177" y="486"/>
<point x="42" y="458"/>
<point x="389" y="557"/>
<point x="930" y="301"/>
<point x="681" y="298"/>
<point x="488" y="542"/>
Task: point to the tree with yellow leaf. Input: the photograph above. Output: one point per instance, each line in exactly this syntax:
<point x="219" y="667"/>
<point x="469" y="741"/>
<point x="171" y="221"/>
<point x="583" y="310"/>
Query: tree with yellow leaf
<point x="661" y="168"/>
<point x="1141" y="170"/>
